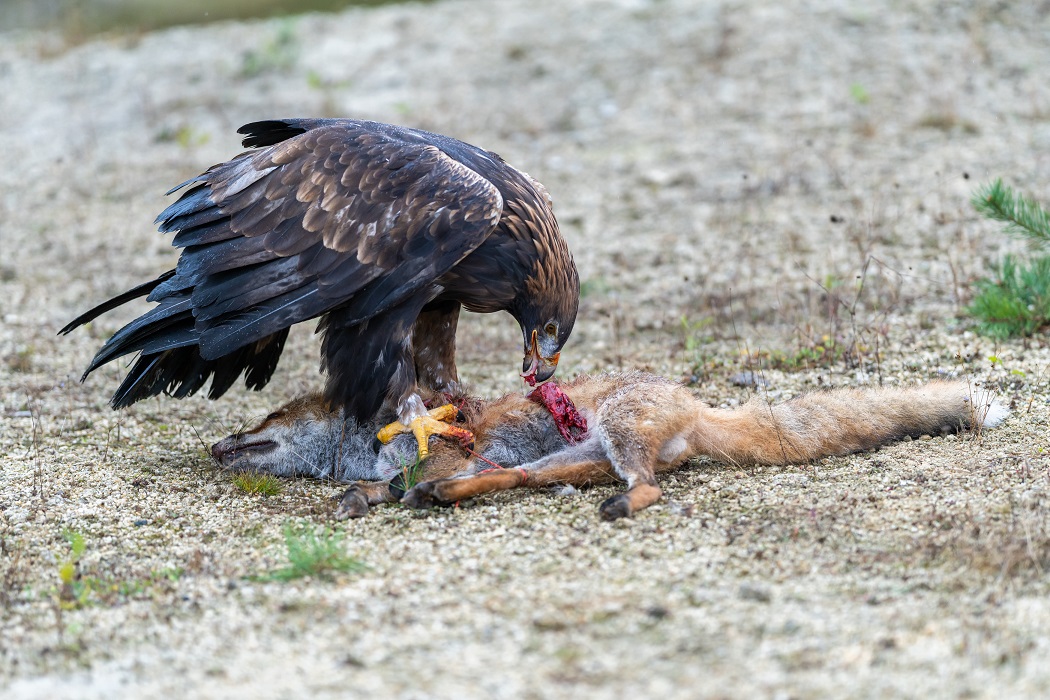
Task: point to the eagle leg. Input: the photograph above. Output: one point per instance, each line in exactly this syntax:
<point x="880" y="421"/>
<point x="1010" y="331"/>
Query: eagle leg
<point x="436" y="421"/>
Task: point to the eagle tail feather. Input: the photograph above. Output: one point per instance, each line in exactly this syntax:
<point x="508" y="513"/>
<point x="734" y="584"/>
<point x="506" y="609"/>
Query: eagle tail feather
<point x="181" y="371"/>
<point x="119" y="300"/>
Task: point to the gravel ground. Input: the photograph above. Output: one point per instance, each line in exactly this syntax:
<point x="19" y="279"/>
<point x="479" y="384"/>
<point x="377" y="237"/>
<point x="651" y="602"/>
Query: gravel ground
<point x="739" y="180"/>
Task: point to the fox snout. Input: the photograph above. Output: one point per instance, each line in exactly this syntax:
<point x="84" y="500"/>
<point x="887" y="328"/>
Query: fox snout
<point x="223" y="447"/>
<point x="230" y="449"/>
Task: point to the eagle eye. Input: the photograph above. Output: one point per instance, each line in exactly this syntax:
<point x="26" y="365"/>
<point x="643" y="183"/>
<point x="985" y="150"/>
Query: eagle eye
<point x="551" y="329"/>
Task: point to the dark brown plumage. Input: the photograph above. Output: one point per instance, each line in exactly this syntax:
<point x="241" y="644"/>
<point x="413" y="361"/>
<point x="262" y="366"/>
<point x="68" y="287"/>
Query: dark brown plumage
<point x="381" y="231"/>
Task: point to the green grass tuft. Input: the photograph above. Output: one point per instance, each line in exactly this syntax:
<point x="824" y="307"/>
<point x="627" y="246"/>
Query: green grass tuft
<point x="312" y="554"/>
<point x="256" y="483"/>
<point x="411" y="474"/>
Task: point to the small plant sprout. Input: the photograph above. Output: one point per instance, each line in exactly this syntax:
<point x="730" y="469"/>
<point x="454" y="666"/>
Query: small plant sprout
<point x="79" y="589"/>
<point x="411" y="474"/>
<point x="319" y="555"/>
<point x="74" y="591"/>
<point x="859" y="94"/>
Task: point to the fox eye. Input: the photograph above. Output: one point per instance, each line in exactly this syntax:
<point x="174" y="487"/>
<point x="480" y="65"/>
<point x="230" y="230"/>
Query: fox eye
<point x="551" y="329"/>
<point x="272" y="416"/>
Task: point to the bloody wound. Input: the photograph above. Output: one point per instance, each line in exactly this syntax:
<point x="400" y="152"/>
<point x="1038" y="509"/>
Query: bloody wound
<point x="571" y="425"/>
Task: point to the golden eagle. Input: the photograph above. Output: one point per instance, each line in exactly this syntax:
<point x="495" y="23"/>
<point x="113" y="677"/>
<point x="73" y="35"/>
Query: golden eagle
<point x="382" y="231"/>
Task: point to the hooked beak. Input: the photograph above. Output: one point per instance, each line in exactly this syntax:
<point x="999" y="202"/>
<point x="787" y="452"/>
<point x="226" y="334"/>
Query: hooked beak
<point x="536" y="368"/>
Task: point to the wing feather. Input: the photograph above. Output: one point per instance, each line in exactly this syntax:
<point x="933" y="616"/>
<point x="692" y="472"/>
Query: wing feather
<point x="390" y="211"/>
<point x="323" y="215"/>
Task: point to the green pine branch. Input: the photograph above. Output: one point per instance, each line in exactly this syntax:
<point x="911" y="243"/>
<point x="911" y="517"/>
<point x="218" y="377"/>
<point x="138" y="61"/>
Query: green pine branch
<point x="1023" y="217"/>
<point x="1017" y="302"/>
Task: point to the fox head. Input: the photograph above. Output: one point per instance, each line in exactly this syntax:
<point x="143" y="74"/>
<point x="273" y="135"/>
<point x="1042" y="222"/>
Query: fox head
<point x="297" y="438"/>
<point x="308" y="437"/>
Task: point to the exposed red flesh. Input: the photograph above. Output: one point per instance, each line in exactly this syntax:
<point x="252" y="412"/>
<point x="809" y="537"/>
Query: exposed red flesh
<point x="571" y="424"/>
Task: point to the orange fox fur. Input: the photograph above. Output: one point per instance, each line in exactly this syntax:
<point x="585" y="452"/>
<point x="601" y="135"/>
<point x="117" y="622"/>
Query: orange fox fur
<point x="639" y="425"/>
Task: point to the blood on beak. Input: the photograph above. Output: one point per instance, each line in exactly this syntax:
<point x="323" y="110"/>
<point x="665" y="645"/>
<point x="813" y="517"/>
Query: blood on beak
<point x="535" y="367"/>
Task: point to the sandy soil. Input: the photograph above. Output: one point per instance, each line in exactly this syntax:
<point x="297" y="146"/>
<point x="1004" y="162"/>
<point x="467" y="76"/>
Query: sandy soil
<point x="738" y="180"/>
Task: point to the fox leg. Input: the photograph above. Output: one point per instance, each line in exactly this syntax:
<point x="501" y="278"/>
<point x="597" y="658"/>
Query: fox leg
<point x="359" y="496"/>
<point x="576" y="465"/>
<point x="641" y="432"/>
<point x="638" y="495"/>
<point x="630" y="457"/>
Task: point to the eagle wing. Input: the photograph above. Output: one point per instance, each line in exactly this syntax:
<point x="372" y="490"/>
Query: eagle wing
<point x="328" y="214"/>
<point x="347" y="214"/>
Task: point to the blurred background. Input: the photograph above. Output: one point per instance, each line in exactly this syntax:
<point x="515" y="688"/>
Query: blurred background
<point x="85" y="17"/>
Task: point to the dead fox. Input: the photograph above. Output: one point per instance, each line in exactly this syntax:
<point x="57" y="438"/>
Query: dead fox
<point x="639" y="425"/>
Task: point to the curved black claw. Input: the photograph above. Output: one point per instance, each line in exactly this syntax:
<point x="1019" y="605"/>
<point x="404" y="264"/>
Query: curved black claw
<point x="616" y="507"/>
<point x="353" y="504"/>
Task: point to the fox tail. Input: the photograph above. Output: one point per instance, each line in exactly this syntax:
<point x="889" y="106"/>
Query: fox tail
<point x="841" y="421"/>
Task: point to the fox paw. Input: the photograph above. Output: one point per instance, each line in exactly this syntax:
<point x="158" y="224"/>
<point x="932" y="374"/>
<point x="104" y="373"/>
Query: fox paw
<point x="423" y="495"/>
<point x="616" y="507"/>
<point x="353" y="504"/>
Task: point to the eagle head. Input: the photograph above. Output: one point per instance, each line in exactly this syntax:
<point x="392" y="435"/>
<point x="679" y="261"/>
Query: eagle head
<point x="546" y="321"/>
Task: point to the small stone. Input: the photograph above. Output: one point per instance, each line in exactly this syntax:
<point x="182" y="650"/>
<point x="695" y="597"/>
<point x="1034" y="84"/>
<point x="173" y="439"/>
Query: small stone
<point x="683" y="509"/>
<point x="755" y="592"/>
<point x="748" y="379"/>
<point x="790" y="479"/>
<point x="550" y="623"/>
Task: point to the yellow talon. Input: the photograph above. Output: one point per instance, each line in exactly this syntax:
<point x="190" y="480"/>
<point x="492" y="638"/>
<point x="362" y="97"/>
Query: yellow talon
<point x="391" y="431"/>
<point x="436" y="422"/>
<point x="446" y="413"/>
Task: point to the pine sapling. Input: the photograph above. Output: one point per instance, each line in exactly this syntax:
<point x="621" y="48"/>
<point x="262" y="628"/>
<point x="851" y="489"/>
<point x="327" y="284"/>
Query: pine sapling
<point x="1023" y="217"/>
<point x="1017" y="301"/>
